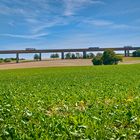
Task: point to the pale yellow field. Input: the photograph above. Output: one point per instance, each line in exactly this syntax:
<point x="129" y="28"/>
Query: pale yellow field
<point x="61" y="63"/>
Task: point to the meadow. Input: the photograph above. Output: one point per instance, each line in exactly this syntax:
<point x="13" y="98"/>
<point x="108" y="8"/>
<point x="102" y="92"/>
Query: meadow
<point x="85" y="103"/>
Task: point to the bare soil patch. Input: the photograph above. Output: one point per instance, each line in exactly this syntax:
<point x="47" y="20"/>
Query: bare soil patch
<point x="55" y="63"/>
<point x="48" y="63"/>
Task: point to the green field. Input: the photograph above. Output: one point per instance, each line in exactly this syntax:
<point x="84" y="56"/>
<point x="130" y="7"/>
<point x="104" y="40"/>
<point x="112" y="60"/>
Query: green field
<point x="85" y="103"/>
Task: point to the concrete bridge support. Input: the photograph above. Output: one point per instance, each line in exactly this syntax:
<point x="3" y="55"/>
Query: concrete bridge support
<point x="126" y="53"/>
<point x="40" y="56"/>
<point x="17" y="57"/>
<point x="62" y="55"/>
<point x="84" y="54"/>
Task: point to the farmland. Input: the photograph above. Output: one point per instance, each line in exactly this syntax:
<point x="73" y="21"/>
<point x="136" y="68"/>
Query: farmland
<point x="70" y="103"/>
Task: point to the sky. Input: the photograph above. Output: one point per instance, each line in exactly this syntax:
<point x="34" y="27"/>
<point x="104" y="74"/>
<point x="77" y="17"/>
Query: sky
<point x="51" y="24"/>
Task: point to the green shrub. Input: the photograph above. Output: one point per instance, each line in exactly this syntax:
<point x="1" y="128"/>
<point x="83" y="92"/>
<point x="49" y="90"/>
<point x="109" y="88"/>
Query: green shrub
<point x="36" y="57"/>
<point x="109" y="57"/>
<point x="1" y="61"/>
<point x="56" y="55"/>
<point x="90" y="55"/>
<point x="68" y="55"/>
<point x="136" y="53"/>
<point x="7" y="60"/>
<point x="97" y="60"/>
<point x="117" y="59"/>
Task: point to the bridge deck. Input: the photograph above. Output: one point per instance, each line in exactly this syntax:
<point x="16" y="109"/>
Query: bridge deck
<point x="65" y="50"/>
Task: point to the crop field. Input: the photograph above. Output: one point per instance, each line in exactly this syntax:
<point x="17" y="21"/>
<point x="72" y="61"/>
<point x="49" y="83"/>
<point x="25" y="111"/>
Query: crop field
<point x="77" y="103"/>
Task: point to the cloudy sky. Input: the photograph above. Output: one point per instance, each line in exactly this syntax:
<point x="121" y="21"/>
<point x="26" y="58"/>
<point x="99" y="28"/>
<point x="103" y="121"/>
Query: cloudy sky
<point x="45" y="24"/>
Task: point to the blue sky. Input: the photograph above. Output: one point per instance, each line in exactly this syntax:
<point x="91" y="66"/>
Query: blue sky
<point x="45" y="24"/>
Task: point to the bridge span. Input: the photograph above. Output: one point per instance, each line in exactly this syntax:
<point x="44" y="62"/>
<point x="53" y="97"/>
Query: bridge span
<point x="126" y="50"/>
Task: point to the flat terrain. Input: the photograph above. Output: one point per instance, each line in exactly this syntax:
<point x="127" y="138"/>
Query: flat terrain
<point x="48" y="63"/>
<point x="60" y="63"/>
<point x="75" y="103"/>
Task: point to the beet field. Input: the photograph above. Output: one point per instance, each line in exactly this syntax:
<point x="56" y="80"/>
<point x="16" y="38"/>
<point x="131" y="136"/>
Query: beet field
<point x="70" y="103"/>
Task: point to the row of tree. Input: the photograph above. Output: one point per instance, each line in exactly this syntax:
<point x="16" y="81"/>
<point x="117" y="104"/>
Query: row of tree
<point x="67" y="56"/>
<point x="9" y="60"/>
<point x="78" y="55"/>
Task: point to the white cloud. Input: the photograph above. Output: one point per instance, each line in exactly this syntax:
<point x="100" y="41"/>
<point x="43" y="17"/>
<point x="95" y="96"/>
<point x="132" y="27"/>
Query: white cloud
<point x="97" y="22"/>
<point x="24" y="8"/>
<point x="71" y="6"/>
<point x="37" y="26"/>
<point x="34" y="36"/>
<point x="108" y="24"/>
<point x="42" y="25"/>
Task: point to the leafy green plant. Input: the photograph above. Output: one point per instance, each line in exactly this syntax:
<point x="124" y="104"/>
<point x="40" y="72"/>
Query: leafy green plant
<point x="56" y="55"/>
<point x="136" y="53"/>
<point x="36" y="57"/>
<point x="7" y="60"/>
<point x="97" y="60"/>
<point x="70" y="103"/>
<point x="107" y="58"/>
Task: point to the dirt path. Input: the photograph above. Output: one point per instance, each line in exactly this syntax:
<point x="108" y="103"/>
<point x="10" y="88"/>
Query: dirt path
<point x="55" y="63"/>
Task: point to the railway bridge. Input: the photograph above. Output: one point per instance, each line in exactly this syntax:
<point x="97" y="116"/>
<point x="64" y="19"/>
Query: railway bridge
<point x="126" y="50"/>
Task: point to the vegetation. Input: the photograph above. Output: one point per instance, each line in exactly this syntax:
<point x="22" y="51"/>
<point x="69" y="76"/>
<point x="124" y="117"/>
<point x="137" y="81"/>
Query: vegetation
<point x="107" y="58"/>
<point x="68" y="55"/>
<point x="136" y="53"/>
<point x="56" y="55"/>
<point x="7" y="60"/>
<point x="78" y="56"/>
<point x="90" y="55"/>
<point x="97" y="60"/>
<point x="71" y="56"/>
<point x="36" y="57"/>
<point x="70" y="103"/>
<point x="1" y="60"/>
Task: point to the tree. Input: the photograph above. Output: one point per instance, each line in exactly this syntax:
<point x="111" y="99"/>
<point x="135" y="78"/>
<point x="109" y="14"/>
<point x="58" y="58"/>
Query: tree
<point x="68" y="55"/>
<point x="56" y="55"/>
<point x="90" y="55"/>
<point x="77" y="55"/>
<point x="136" y="53"/>
<point x="99" y="54"/>
<point x="97" y="60"/>
<point x="73" y="56"/>
<point x="7" y="60"/>
<point x="109" y="57"/>
<point x="36" y="57"/>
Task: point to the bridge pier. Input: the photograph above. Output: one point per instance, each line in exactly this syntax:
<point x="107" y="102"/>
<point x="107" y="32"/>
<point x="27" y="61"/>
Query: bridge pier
<point x="126" y="53"/>
<point x="40" y="56"/>
<point x="62" y="55"/>
<point x="84" y="54"/>
<point x="17" y="57"/>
